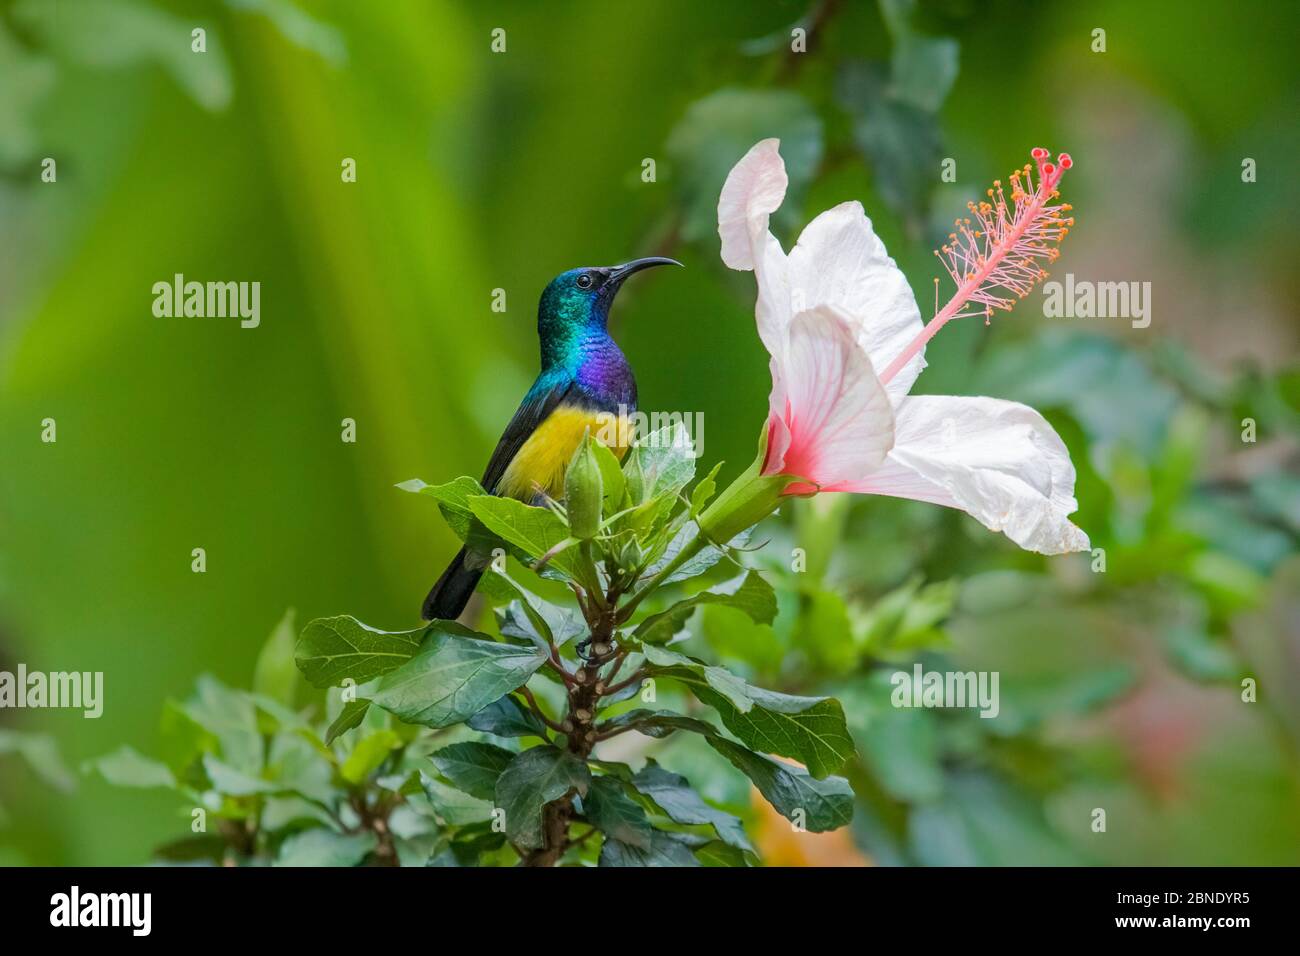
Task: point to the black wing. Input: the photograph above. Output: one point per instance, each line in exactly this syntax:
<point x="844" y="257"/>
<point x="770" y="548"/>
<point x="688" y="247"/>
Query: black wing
<point x="532" y="411"/>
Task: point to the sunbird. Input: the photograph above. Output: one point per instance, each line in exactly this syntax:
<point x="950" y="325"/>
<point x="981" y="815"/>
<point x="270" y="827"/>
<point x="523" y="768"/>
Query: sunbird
<point x="585" y="385"/>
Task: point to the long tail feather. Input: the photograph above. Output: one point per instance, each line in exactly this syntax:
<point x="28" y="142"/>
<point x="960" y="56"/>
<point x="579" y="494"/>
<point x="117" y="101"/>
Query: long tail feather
<point x="449" y="596"/>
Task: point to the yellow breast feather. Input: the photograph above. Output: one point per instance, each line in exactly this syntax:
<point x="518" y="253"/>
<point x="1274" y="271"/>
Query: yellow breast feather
<point x="542" y="461"/>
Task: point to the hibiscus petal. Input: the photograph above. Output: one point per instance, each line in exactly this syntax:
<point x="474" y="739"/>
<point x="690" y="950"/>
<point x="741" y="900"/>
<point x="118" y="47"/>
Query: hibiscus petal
<point x="840" y="261"/>
<point x="778" y="432"/>
<point x="754" y="190"/>
<point x="839" y="419"/>
<point x="1000" y="462"/>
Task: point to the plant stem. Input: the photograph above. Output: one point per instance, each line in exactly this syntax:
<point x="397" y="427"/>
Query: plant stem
<point x="688" y="551"/>
<point x="584" y="699"/>
<point x="536" y="709"/>
<point x="615" y="688"/>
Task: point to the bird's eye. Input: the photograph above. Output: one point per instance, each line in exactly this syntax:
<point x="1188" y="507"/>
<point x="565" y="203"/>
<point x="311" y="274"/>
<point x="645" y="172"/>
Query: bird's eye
<point x="585" y="281"/>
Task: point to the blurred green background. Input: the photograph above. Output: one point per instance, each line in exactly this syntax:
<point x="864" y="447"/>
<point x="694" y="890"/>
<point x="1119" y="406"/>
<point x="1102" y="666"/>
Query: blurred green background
<point x="479" y="170"/>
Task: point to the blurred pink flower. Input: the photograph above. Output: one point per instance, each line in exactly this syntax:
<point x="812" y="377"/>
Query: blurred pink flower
<point x="847" y="343"/>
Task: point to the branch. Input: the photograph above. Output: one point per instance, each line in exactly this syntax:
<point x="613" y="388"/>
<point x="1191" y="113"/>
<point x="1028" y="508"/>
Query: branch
<point x="536" y="709"/>
<point x="607" y="734"/>
<point x="615" y="688"/>
<point x="558" y="666"/>
<point x="619" y="658"/>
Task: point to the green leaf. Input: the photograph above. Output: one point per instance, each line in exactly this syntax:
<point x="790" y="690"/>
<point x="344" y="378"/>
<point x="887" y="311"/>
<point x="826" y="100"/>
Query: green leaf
<point x="819" y="805"/>
<point x="291" y="811"/>
<point x="125" y="767"/>
<point x="300" y="28"/>
<point x="754" y="596"/>
<point x="454" y="807"/>
<point x="540" y="621"/>
<point x="716" y="131"/>
<point x="495" y="589"/>
<point x="459" y="674"/>
<point x="648" y="522"/>
<point x="608" y="808"/>
<point x="811" y="730"/>
<point x="662" y="627"/>
<point x="453" y="500"/>
<point x="984" y="820"/>
<point x="230" y="717"/>
<point x="120" y="33"/>
<point x="181" y="738"/>
<point x="689" y="671"/>
<point x="534" y="531"/>
<point x="41" y="753"/>
<point x="900" y="746"/>
<point x="298" y="762"/>
<point x="326" y="848"/>
<point x="26" y="77"/>
<point x="627" y="693"/>
<point x="704" y="490"/>
<point x="468" y="845"/>
<point x="201" y="848"/>
<point x="717" y="853"/>
<point x="350" y="716"/>
<point x="276" y="675"/>
<point x="734" y="637"/>
<point x="663" y="850"/>
<point x="707" y="557"/>
<point x="611" y="768"/>
<point x="369" y="753"/>
<point x="923" y="69"/>
<point x="507" y="717"/>
<point x="665" y="461"/>
<point x="1110" y="390"/>
<point x="673" y="795"/>
<point x="235" y="783"/>
<point x="907" y="618"/>
<point x="900" y="140"/>
<point x="332" y="649"/>
<point x="825" y="633"/>
<point x="273" y="716"/>
<point x="532" y="780"/>
<point x="658" y="723"/>
<point x="1201" y="656"/>
<point x="473" y="767"/>
<point x="1278" y="495"/>
<point x="405" y="783"/>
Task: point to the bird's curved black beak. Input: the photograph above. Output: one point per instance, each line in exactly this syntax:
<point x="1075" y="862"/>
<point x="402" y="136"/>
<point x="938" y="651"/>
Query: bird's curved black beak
<point x="618" y="273"/>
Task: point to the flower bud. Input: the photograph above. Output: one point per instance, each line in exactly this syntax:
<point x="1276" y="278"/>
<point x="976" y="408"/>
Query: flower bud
<point x="583" y="494"/>
<point x="634" y="478"/>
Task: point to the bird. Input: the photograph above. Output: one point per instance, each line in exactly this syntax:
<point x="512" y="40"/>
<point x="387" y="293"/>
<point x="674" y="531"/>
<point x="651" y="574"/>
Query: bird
<point x="585" y="385"/>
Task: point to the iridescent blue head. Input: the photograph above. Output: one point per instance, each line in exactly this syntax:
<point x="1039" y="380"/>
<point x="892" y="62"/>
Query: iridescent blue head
<point x="574" y="310"/>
